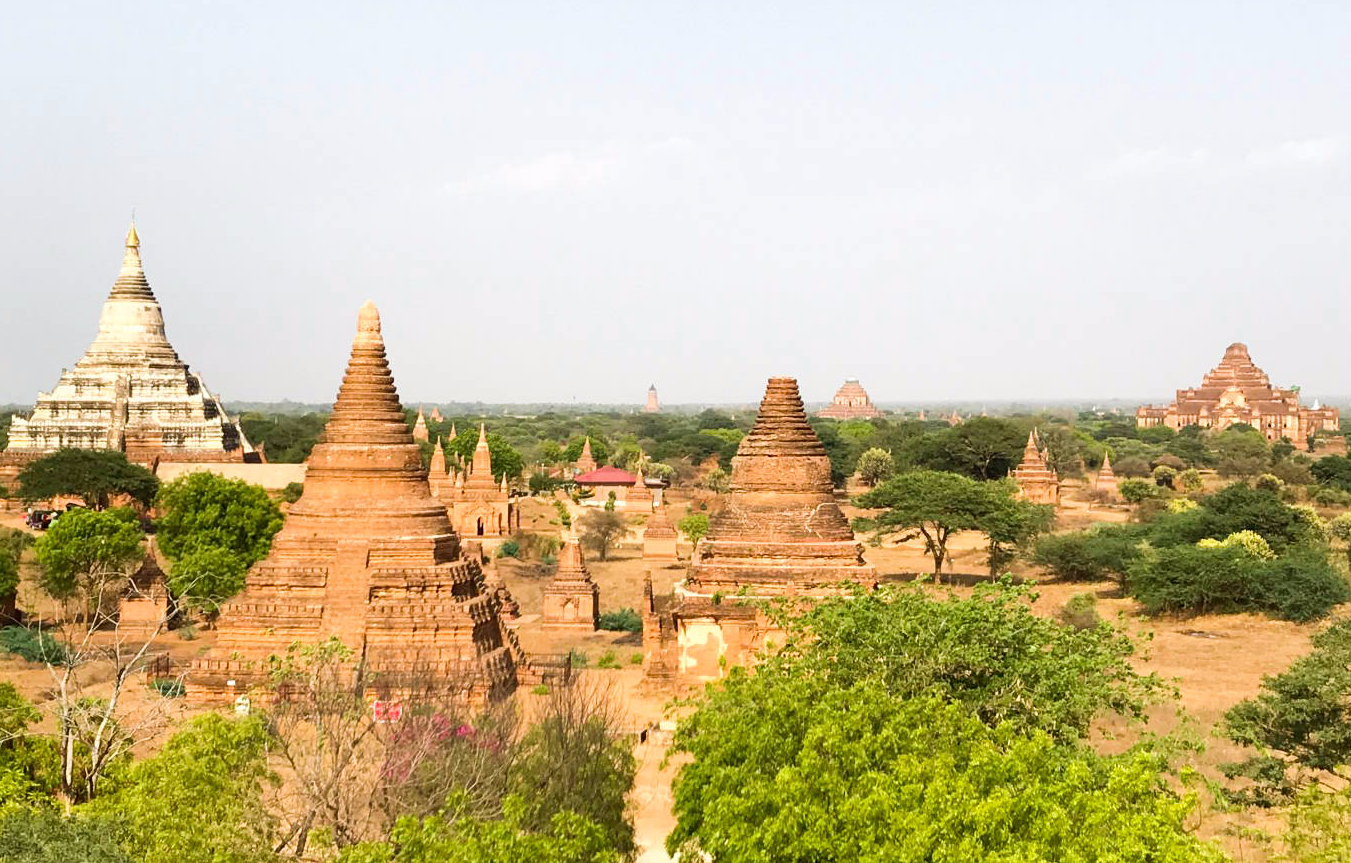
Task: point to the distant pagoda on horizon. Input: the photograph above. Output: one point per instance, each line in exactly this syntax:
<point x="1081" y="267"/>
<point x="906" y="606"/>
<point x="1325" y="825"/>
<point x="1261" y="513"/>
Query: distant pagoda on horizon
<point x="851" y="402"/>
<point x="1237" y="391"/>
<point x="652" y="406"/>
<point x="130" y="391"/>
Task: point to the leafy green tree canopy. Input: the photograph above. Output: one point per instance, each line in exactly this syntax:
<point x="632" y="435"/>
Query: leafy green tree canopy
<point x="786" y="770"/>
<point x="202" y="510"/>
<point x="85" y="549"/>
<point x="94" y="476"/>
<point x="1300" y="721"/>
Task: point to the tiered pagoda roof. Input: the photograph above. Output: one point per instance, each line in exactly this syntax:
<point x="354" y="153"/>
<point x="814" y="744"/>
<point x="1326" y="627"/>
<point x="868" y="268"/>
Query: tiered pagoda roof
<point x="130" y="391"/>
<point x="366" y="555"/>
<point x="780" y="530"/>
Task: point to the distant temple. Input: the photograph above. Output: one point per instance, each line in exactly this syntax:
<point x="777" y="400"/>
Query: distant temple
<point x="780" y="533"/>
<point x="129" y="392"/>
<point x="479" y="506"/>
<point x="367" y="556"/>
<point x="652" y="406"/>
<point x="851" y="402"/>
<point x="585" y="461"/>
<point x="1037" y="483"/>
<point x="1237" y="391"/>
<point x="1106" y="482"/>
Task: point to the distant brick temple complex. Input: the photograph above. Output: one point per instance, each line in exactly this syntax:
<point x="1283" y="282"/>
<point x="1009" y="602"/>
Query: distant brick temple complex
<point x="851" y="402"/>
<point x="780" y="533"/>
<point x="479" y="506"/>
<point x="367" y="555"/>
<point x="129" y="392"/>
<point x="1237" y="391"/>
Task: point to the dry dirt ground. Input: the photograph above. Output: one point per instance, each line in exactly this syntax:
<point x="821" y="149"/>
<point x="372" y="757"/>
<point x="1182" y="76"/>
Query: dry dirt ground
<point x="1214" y="661"/>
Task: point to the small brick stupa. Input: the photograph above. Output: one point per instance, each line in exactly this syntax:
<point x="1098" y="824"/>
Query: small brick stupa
<point x="572" y="599"/>
<point x="585" y="461"/>
<point x="1106" y="481"/>
<point x="659" y="538"/>
<point x="420" y="431"/>
<point x="780" y="533"/>
<point x="369" y="556"/>
<point x="1037" y="483"/>
<point x="851" y="402"/>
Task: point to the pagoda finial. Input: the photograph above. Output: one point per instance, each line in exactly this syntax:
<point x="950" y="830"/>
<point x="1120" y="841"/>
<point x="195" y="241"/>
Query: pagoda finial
<point x="133" y="241"/>
<point x="368" y="327"/>
<point x="482" y="434"/>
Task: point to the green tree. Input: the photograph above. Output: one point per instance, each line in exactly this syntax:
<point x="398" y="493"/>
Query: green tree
<point x="575" y="759"/>
<point x="1190" y="480"/>
<point x="205" y="578"/>
<point x="1318" y="827"/>
<point x="600" y="530"/>
<point x="875" y="465"/>
<point x="788" y="770"/>
<point x="94" y="476"/>
<point x="1333" y="471"/>
<point x="988" y="652"/>
<point x="88" y="551"/>
<point x="983" y="448"/>
<point x="1300" y="720"/>
<point x="717" y="481"/>
<point x="199" y="799"/>
<point x="693" y="526"/>
<point x="1137" y="490"/>
<point x="505" y="459"/>
<point x="1011" y="525"/>
<point x="204" y="511"/>
<point x="935" y="505"/>
<point x="1240" y="452"/>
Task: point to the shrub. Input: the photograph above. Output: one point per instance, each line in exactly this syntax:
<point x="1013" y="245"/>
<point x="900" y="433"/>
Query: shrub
<point x="1099" y="554"/>
<point x="576" y="658"/>
<point x="608" y="660"/>
<point x="563" y="515"/>
<point x="623" y="620"/>
<point x="1270" y="482"/>
<point x="1190" y="480"/>
<point x="1329" y="496"/>
<point x="1181" y="504"/>
<point x="540" y="689"/>
<point x="1299" y="586"/>
<point x="693" y="527"/>
<point x="636" y="659"/>
<point x="33" y="645"/>
<point x="1080" y="612"/>
<point x="293" y="491"/>
<point x="1137" y="490"/>
<point x="509" y="548"/>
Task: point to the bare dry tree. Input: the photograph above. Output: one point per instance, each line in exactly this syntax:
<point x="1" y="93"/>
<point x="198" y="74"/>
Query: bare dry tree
<point x="353" y="766"/>
<point x="93" y="663"/>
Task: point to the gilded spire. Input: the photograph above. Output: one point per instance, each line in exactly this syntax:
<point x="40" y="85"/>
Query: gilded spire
<point x="133" y="241"/>
<point x="131" y="283"/>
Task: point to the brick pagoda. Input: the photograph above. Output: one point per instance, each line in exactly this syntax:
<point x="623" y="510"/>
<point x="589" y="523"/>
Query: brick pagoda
<point x="779" y="533"/>
<point x="659" y="538"/>
<point x="1106" y="481"/>
<point x="1036" y="481"/>
<point x="1237" y="391"/>
<point x="366" y="555"/>
<point x="479" y="506"/>
<point x="571" y="599"/>
<point x="652" y="406"/>
<point x="851" y="402"/>
<point x="585" y="462"/>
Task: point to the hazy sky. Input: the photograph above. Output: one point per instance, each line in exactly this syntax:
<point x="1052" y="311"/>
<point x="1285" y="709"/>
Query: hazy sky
<point x="552" y="201"/>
